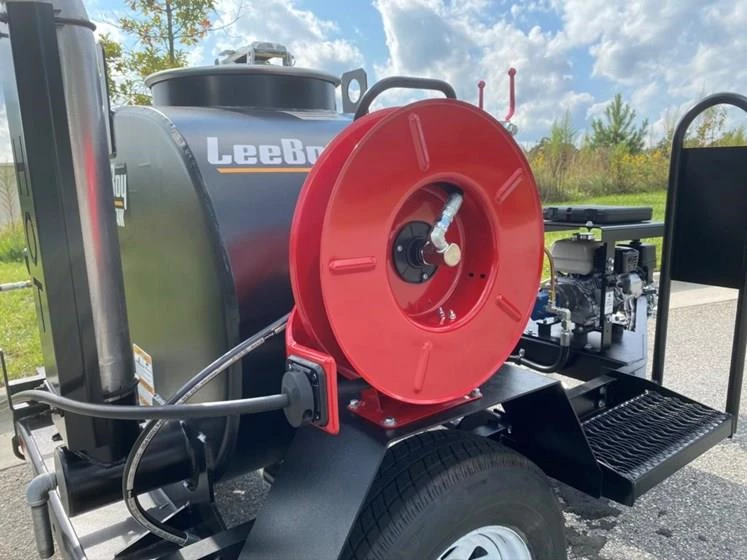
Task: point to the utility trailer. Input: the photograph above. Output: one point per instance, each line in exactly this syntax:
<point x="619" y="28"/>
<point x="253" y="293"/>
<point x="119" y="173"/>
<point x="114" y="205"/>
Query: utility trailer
<point x="368" y="283"/>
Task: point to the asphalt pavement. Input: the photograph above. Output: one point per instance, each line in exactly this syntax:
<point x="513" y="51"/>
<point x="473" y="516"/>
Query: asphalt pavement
<point x="700" y="513"/>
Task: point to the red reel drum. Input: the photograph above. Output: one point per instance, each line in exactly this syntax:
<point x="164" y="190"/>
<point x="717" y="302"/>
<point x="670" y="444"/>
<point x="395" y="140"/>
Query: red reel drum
<point x="384" y="303"/>
<point x="306" y="232"/>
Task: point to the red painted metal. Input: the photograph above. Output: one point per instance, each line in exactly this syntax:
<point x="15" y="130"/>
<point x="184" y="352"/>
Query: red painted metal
<point x="390" y="413"/>
<point x="393" y="334"/>
<point x="511" y="94"/>
<point x="306" y="231"/>
<point x="297" y="344"/>
<point x="481" y="93"/>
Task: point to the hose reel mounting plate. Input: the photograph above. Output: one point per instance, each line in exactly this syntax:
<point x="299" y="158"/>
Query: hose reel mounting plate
<point x="433" y="341"/>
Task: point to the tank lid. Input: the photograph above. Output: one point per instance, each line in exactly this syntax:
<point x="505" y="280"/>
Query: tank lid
<point x="244" y="85"/>
<point x="241" y="70"/>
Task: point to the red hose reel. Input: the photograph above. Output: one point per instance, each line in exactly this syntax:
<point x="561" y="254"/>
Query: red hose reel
<point x="372" y="292"/>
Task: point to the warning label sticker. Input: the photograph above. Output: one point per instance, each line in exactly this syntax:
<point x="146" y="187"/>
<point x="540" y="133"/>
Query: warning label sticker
<point x="144" y="373"/>
<point x="609" y="302"/>
<point x="119" y="177"/>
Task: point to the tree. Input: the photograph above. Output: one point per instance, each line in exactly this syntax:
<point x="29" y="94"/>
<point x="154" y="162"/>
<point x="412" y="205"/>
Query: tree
<point x="162" y="29"/>
<point x="735" y="137"/>
<point x="10" y="213"/>
<point x="671" y="118"/>
<point x="553" y="156"/>
<point x="709" y="127"/>
<point x="618" y="127"/>
<point x="559" y="150"/>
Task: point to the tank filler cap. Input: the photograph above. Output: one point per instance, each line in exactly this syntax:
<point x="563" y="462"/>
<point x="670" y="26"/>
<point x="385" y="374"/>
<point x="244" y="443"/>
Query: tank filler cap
<point x="258" y="52"/>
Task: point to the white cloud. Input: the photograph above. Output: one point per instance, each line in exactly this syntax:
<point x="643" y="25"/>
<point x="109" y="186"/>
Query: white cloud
<point x="314" y="42"/>
<point x="106" y="28"/>
<point x="661" y="54"/>
<point x="657" y="54"/>
<point x="453" y="41"/>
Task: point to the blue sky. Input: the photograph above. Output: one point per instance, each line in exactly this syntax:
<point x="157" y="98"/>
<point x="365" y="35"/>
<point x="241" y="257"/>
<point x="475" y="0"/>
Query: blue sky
<point x="571" y="55"/>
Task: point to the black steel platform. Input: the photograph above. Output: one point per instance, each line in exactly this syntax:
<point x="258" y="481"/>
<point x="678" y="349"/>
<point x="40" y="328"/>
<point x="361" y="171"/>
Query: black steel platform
<point x="640" y="442"/>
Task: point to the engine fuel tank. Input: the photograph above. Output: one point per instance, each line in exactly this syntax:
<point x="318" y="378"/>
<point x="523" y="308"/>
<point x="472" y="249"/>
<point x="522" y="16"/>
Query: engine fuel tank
<point x="204" y="196"/>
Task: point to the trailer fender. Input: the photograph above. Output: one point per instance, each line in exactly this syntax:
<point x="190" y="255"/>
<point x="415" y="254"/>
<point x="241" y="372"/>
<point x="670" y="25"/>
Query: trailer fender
<point x="317" y="494"/>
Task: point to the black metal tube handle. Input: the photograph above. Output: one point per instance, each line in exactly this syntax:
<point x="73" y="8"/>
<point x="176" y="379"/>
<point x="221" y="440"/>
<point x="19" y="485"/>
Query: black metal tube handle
<point x="404" y="82"/>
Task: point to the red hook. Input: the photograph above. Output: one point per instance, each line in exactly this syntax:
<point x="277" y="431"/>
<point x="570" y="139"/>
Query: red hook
<point x="481" y="93"/>
<point x="511" y="94"/>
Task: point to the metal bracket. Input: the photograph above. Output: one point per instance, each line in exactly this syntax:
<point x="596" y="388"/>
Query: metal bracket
<point x="346" y="80"/>
<point x="331" y="476"/>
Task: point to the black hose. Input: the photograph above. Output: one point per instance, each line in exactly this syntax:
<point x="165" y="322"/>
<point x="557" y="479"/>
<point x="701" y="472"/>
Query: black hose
<point x="559" y="363"/>
<point x="166" y="412"/>
<point x="150" y="430"/>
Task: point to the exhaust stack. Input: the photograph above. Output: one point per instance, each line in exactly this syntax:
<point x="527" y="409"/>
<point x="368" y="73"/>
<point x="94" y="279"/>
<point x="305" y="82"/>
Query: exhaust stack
<point x="58" y="118"/>
<point x="87" y="116"/>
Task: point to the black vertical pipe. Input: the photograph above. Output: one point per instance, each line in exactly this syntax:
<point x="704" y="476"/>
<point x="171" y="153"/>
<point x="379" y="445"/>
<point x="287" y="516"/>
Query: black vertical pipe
<point x="41" y="140"/>
<point x="738" y="350"/>
<point x="665" y="276"/>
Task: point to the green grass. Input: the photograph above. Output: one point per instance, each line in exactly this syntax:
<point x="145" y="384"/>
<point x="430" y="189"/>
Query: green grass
<point x="19" y="331"/>
<point x="19" y="334"/>
<point x="12" y="243"/>
<point x="656" y="200"/>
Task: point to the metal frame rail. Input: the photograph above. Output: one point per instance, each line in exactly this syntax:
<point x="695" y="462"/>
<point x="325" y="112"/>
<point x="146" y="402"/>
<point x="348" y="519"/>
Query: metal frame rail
<point x="706" y="234"/>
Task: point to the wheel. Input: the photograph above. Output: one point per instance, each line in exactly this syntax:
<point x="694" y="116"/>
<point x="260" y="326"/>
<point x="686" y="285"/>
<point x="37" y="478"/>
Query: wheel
<point x="447" y="495"/>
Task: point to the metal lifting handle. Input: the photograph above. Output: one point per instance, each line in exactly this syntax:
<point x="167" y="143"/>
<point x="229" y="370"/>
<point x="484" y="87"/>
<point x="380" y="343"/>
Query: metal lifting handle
<point x="404" y="82"/>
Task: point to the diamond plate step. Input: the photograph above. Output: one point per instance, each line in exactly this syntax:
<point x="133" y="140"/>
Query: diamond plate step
<point x="640" y="442"/>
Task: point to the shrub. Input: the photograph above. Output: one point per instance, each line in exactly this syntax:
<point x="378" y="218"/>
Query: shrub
<point x="599" y="171"/>
<point x="12" y="244"/>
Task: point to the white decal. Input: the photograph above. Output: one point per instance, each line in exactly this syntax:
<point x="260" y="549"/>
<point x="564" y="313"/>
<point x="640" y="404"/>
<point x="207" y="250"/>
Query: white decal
<point x="119" y="182"/>
<point x="609" y="302"/>
<point x="144" y="373"/>
<point x="290" y="151"/>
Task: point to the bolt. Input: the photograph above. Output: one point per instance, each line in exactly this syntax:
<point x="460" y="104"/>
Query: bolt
<point x="390" y="421"/>
<point x="353" y="404"/>
<point x="452" y="315"/>
<point x="601" y="403"/>
<point x="400" y="248"/>
<point x="475" y="394"/>
<point x="425" y="276"/>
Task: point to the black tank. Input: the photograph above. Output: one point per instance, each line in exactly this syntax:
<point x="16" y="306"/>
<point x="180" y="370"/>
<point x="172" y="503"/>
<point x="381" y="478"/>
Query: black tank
<point x="206" y="183"/>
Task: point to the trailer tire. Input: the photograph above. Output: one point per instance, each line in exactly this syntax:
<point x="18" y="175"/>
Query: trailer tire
<point x="438" y="486"/>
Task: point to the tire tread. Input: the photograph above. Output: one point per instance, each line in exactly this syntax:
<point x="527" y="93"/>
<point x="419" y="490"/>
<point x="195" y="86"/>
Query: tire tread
<point x="415" y="473"/>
